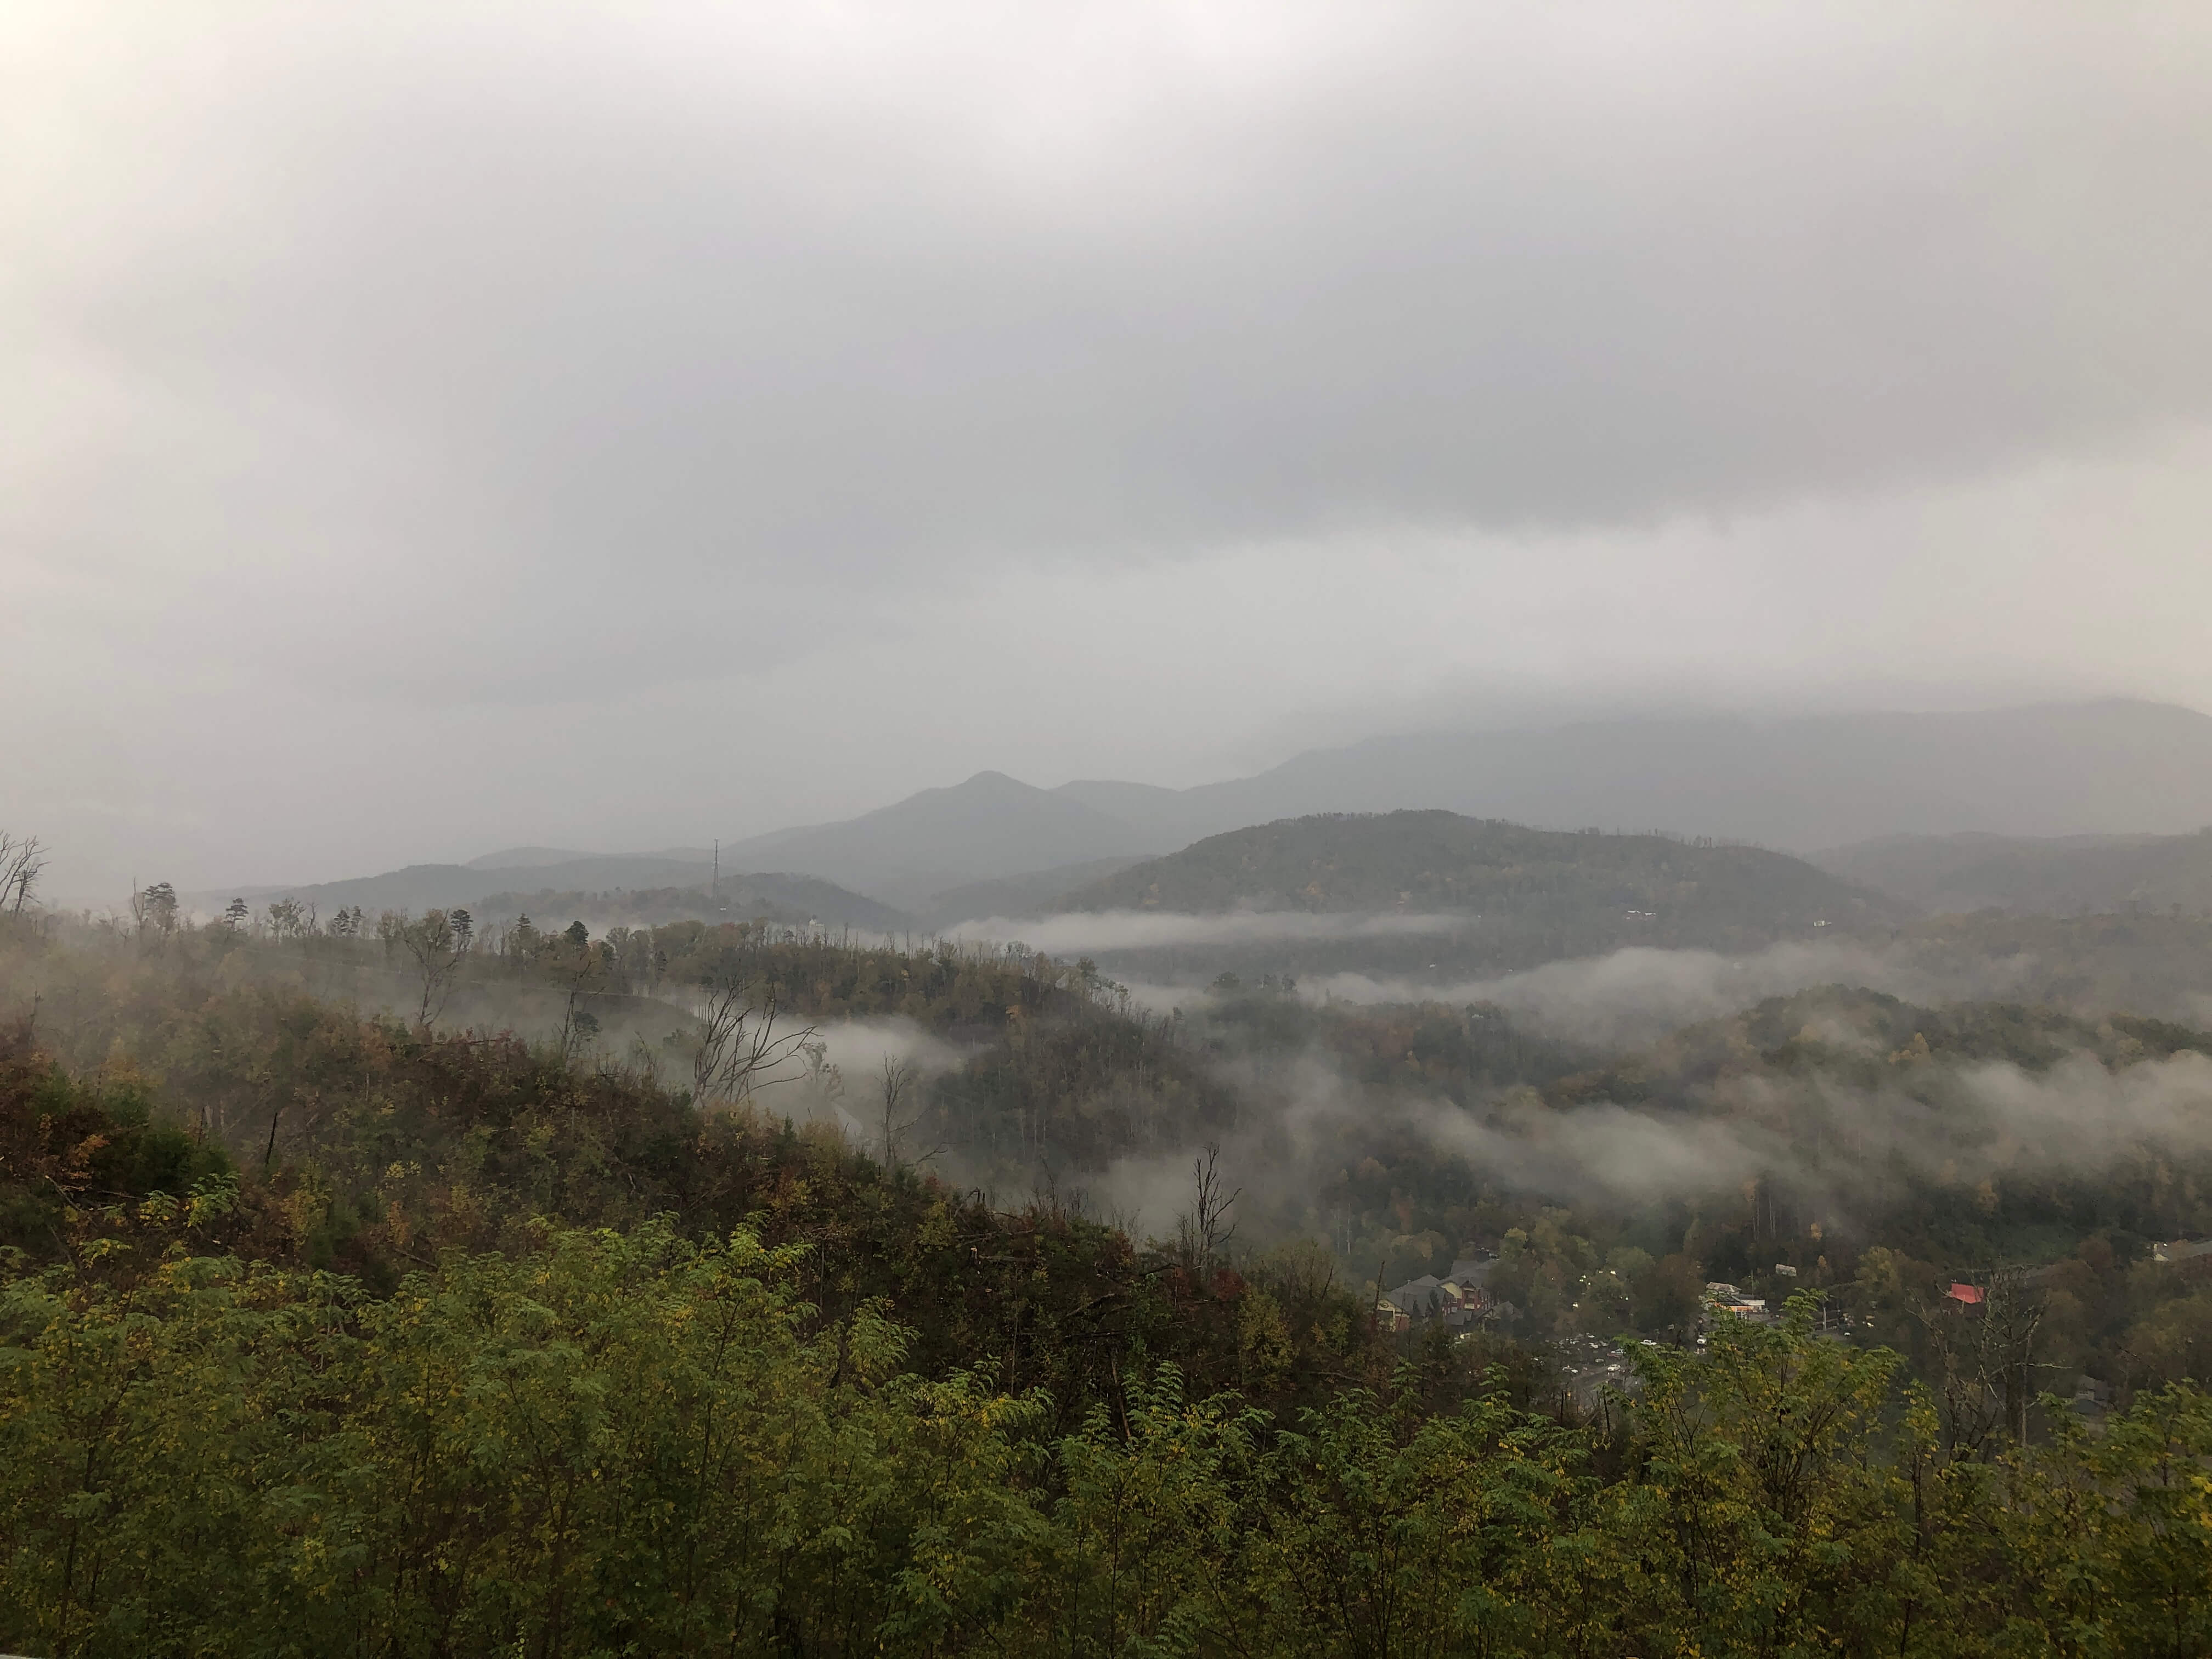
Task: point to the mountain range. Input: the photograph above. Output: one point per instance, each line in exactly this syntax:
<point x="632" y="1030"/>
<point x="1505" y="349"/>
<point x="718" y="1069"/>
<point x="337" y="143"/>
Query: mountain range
<point x="1798" y="785"/>
<point x="992" y="845"/>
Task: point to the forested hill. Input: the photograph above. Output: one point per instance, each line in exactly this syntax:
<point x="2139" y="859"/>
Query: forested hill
<point x="792" y="900"/>
<point x="606" y="889"/>
<point x="333" y="1335"/>
<point x="1430" y="861"/>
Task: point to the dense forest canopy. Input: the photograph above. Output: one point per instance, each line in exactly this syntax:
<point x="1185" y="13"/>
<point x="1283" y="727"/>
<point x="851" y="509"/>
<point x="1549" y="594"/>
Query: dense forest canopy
<point x="958" y="1299"/>
<point x="1431" y="861"/>
<point x="1433" y="898"/>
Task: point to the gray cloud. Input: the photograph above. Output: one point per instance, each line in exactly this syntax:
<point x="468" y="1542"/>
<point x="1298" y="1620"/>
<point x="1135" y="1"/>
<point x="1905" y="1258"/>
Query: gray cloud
<point x="1844" y="1152"/>
<point x="543" y="286"/>
<point x="520" y="377"/>
<point x="2077" y="1118"/>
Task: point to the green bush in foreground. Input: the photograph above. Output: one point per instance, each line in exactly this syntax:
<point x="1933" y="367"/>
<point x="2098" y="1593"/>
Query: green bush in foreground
<point x="628" y="1443"/>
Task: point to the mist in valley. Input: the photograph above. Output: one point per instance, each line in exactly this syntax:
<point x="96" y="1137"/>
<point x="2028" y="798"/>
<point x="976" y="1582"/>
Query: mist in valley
<point x="941" y="829"/>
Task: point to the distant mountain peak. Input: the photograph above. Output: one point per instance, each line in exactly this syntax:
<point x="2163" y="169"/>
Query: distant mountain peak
<point x="528" y="858"/>
<point x="984" y="828"/>
<point x="993" y="783"/>
<point x="1797" y="781"/>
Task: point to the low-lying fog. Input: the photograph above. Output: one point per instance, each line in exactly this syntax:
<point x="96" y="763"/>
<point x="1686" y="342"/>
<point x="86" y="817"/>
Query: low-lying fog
<point x="1624" y="997"/>
<point x="1637" y="994"/>
<point x="1092" y="933"/>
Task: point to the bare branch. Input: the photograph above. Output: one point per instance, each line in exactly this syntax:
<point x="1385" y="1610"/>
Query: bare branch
<point x="1205" y="1229"/>
<point x="21" y="858"/>
<point x="898" y="1077"/>
<point x="741" y="1044"/>
<point x="437" y="953"/>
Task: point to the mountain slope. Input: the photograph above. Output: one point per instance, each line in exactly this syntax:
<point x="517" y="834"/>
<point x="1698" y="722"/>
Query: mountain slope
<point x="1419" y="862"/>
<point x="1799" y="783"/>
<point x="1435" y="899"/>
<point x="1819" y="781"/>
<point x="596" y="889"/>
<point x="2052" y="877"/>
<point x="987" y="828"/>
<point x="793" y="900"/>
<point x="425" y="886"/>
<point x="1034" y="893"/>
<point x="533" y="858"/>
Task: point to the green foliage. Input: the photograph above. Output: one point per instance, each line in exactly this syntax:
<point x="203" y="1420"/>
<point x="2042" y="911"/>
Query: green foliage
<point x="326" y="1334"/>
<point x="633" y="1443"/>
<point x="618" y="1443"/>
<point x="67" y="1144"/>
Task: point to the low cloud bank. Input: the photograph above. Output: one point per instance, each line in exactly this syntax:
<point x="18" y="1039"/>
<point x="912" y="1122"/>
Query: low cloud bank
<point x="1074" y="934"/>
<point x="1638" y="994"/>
<point x="1846" y="1147"/>
<point x="1843" y="1154"/>
<point x="859" y="1047"/>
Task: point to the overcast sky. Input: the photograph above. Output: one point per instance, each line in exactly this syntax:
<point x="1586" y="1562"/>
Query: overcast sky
<point x="425" y="429"/>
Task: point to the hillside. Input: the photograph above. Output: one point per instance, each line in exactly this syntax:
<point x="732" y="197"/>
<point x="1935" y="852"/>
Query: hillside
<point x="537" y="858"/>
<point x="2056" y="876"/>
<point x="1433" y="896"/>
<point x="988" y="828"/>
<point x="2113" y="766"/>
<point x="1036" y="893"/>
<point x="572" y="1294"/>
<point x="2109" y="767"/>
<point x="1430" y="861"/>
<point x="419" y="887"/>
<point x="793" y="901"/>
<point x="603" y="889"/>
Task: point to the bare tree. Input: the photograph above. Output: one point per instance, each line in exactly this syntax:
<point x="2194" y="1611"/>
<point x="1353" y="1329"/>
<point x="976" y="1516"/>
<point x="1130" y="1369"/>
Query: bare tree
<point x="437" y="952"/>
<point x="899" y="1078"/>
<point x="739" y="1044"/>
<point x="579" y="1024"/>
<point x="1204" y="1230"/>
<point x="821" y="1081"/>
<point x="21" y="860"/>
<point x="579" y="969"/>
<point x="1985" y="1361"/>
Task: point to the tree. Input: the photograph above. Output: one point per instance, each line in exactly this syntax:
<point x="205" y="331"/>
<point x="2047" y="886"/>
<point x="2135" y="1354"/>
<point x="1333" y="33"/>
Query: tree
<point x="738" y="1042"/>
<point x="154" y="907"/>
<point x="437" y="952"/>
<point x="234" y="914"/>
<point x="897" y="1078"/>
<point x="21" y="858"/>
<point x="1984" y="1360"/>
<point x="288" y="919"/>
<point x="1205" y="1229"/>
<point x="578" y="969"/>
